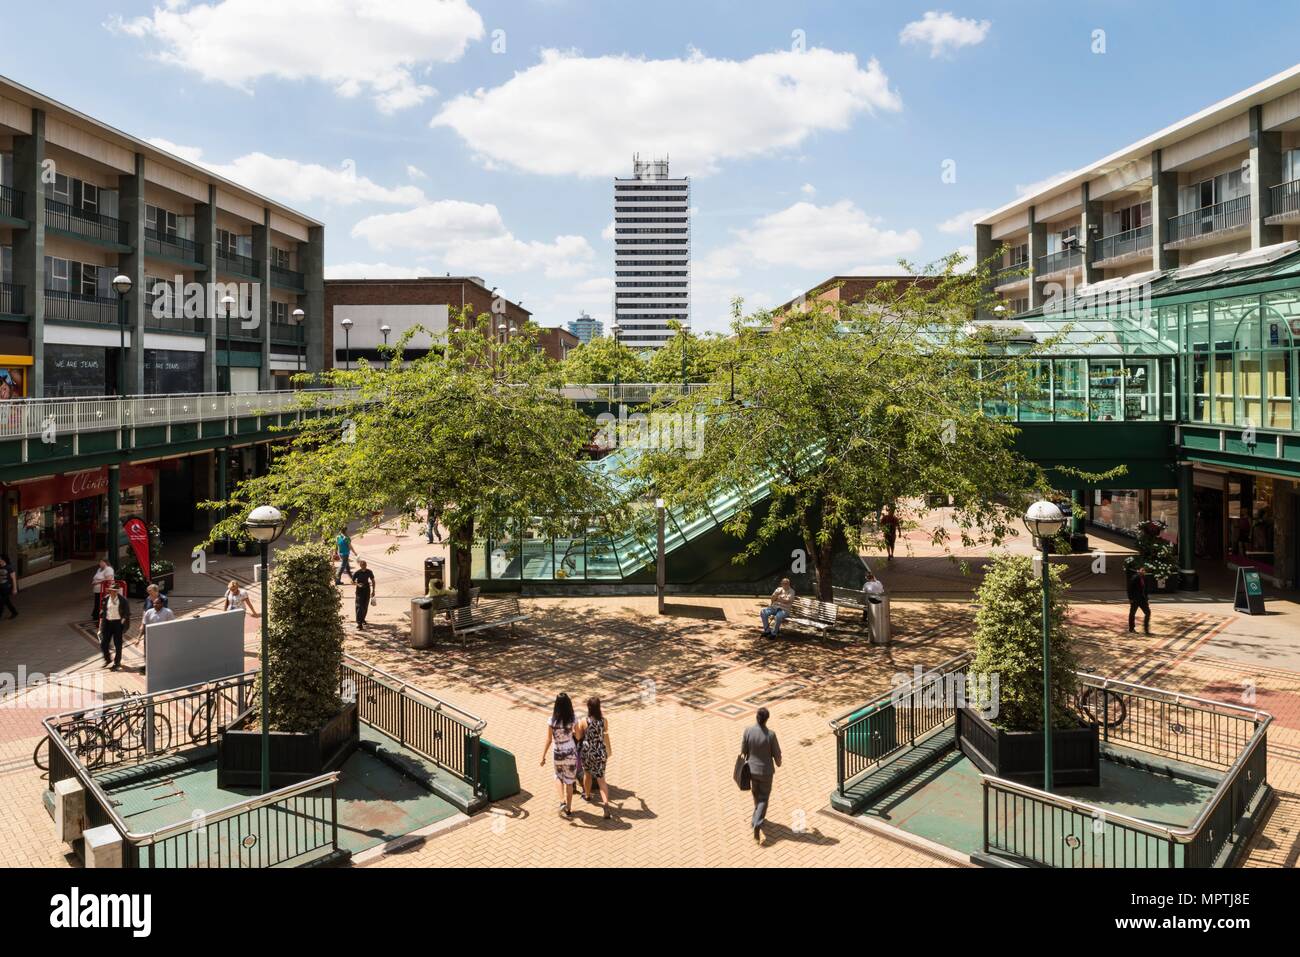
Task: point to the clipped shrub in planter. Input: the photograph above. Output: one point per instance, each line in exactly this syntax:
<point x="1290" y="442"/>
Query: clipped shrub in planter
<point x="312" y="728"/>
<point x="1001" y="732"/>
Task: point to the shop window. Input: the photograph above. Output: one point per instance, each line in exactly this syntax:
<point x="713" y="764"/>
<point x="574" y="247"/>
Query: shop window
<point x="1068" y="390"/>
<point x="1140" y="385"/>
<point x="1104" y="381"/>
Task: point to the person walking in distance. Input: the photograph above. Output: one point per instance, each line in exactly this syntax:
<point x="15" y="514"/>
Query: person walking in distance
<point x="8" y="582"/>
<point x="155" y="612"/>
<point x="563" y="751"/>
<point x="762" y="752"/>
<point x="889" y="527"/>
<point x="364" y="579"/>
<point x="236" y="598"/>
<point x="103" y="575"/>
<point x="593" y="732"/>
<point x="343" y="545"/>
<point x="114" y="619"/>
<point x="1138" y="589"/>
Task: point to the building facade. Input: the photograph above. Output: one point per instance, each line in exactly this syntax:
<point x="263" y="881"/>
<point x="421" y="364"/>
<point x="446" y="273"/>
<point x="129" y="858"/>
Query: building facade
<point x="586" y="328"/>
<point x="401" y="304"/>
<point x="652" y="254"/>
<point x="1182" y="252"/>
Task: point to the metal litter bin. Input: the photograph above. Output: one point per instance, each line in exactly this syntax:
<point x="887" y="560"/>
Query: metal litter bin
<point x="421" y="622"/>
<point x="879" y="620"/>
<point x="433" y="573"/>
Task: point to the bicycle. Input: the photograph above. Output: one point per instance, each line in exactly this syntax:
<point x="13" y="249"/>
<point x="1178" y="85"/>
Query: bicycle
<point x="1105" y="708"/>
<point x="125" y="730"/>
<point x="207" y="713"/>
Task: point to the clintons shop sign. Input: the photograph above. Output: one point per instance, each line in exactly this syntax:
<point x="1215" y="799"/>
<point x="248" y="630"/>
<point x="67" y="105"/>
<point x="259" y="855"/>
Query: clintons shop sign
<point x="74" y="485"/>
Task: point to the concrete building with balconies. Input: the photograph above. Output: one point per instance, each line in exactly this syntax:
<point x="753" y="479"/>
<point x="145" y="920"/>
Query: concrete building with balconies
<point x="652" y="255"/>
<point x="81" y="203"/>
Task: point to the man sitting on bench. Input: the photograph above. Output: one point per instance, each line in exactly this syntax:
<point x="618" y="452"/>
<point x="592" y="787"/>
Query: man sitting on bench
<point x="778" y="610"/>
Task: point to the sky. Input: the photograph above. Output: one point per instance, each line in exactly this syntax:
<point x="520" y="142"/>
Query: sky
<point x="480" y="137"/>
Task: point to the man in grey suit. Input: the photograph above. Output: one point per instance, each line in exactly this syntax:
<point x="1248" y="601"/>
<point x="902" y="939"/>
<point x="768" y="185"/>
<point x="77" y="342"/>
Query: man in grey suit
<point x="762" y="754"/>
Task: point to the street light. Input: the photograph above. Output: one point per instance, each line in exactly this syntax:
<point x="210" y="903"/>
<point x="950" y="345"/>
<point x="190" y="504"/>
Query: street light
<point x="386" y="329"/>
<point x="298" y="316"/>
<point x="228" y="305"/>
<point x="122" y="284"/>
<point x="614" y="329"/>
<point x="347" y="343"/>
<point x="1045" y="521"/>
<point x="264" y="525"/>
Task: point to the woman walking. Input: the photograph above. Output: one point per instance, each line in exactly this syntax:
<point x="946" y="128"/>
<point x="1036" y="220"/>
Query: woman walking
<point x="236" y="599"/>
<point x="593" y="730"/>
<point x="564" y="752"/>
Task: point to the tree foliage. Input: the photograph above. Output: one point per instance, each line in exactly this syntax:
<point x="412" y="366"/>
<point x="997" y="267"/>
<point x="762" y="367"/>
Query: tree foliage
<point x="304" y="640"/>
<point x="848" y="407"/>
<point x="478" y="433"/>
<point x="602" y="360"/>
<point x="1009" y="645"/>
<point x="703" y="354"/>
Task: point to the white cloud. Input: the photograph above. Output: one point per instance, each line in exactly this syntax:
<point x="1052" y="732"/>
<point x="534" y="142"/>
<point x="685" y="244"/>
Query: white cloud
<point x="808" y="189"/>
<point x="414" y="172"/>
<point x="473" y="237"/>
<point x="293" y="182"/>
<point x="607" y="233"/>
<point x="357" y="46"/>
<point x="375" y="271"/>
<point x="944" y="32"/>
<point x="963" y="223"/>
<point x="586" y="116"/>
<point x="829" y="239"/>
<point x="1029" y="189"/>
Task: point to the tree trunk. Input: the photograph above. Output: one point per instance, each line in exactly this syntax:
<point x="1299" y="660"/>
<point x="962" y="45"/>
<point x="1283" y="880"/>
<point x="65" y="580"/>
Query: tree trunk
<point x="823" y="557"/>
<point x="462" y="545"/>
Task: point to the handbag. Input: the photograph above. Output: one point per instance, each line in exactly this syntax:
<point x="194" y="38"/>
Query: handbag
<point x="741" y="774"/>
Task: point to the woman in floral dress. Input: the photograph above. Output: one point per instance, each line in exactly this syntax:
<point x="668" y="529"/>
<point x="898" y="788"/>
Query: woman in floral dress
<point x="593" y="731"/>
<point x="564" y="751"/>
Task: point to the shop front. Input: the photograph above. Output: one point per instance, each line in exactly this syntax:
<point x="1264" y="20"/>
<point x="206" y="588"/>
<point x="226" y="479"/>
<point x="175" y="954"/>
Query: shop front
<point x="1247" y="520"/>
<point x="1123" y="509"/>
<point x="60" y="523"/>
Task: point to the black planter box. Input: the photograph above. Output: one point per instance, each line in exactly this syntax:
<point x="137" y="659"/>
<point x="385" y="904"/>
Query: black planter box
<point x="1018" y="755"/>
<point x="294" y="756"/>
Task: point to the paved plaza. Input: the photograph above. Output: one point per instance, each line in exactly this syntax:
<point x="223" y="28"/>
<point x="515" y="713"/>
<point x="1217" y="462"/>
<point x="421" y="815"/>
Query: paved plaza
<point x="678" y="691"/>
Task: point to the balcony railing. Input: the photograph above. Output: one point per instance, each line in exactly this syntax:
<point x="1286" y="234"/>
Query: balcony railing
<point x="1055" y="262"/>
<point x="288" y="278"/>
<point x="170" y="317"/>
<point x="30" y="418"/>
<point x="1125" y="243"/>
<point x="1016" y="272"/>
<point x="1210" y="219"/>
<point x="1283" y="198"/>
<point x="170" y="246"/>
<point x="11" y="202"/>
<point x="288" y="332"/>
<point x="235" y="263"/>
<point x="83" y="223"/>
<point x="11" y="300"/>
<point x="77" y="307"/>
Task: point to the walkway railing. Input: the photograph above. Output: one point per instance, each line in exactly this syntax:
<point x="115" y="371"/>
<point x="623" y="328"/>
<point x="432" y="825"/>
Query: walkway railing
<point x="445" y="734"/>
<point x="1032" y="826"/>
<point x="868" y="735"/>
<point x="1125" y="243"/>
<point x="1210" y="219"/>
<point x="627" y="391"/>
<point x="32" y="418"/>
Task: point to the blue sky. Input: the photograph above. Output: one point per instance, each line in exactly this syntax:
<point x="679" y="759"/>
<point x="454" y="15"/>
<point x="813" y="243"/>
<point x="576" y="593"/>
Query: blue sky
<point x="480" y="136"/>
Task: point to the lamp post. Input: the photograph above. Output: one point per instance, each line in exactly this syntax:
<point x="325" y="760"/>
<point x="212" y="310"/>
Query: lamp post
<point x="298" y="316"/>
<point x="386" y="329"/>
<point x="1044" y="521"/>
<point x="264" y="525"/>
<point x="347" y="343"/>
<point x="122" y="284"/>
<point x="228" y="305"/>
<point x="614" y="329"/>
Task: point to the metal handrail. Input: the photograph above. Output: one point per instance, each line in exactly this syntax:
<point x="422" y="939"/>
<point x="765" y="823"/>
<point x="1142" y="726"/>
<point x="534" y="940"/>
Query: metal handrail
<point x="863" y="709"/>
<point x="403" y="686"/>
<point x="234" y="810"/>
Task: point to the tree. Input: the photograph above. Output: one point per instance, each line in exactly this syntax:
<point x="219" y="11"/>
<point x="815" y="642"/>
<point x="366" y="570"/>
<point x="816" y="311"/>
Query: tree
<point x="478" y="434"/>
<point x="1009" y="646"/>
<point x="304" y="642"/>
<point x="702" y="354"/>
<point x="850" y="407"/>
<point x="602" y="360"/>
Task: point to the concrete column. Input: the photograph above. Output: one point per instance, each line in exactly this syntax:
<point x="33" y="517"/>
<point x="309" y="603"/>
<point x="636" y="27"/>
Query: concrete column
<point x="131" y="210"/>
<point x="102" y="847"/>
<point x="29" y="243"/>
<point x="1187" y="527"/>
<point x="262" y="253"/>
<point x="1037" y="248"/>
<point x="69" y="809"/>
<point x="1265" y="171"/>
<point x="311" y="261"/>
<point x="205" y="234"/>
<point x="1090" y="227"/>
<point x="1164" y="205"/>
<point x="114" y="511"/>
<point x="985" y="249"/>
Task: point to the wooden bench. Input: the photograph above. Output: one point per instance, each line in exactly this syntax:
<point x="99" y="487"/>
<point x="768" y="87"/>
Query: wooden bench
<point x="810" y="613"/>
<point x="488" y="613"/>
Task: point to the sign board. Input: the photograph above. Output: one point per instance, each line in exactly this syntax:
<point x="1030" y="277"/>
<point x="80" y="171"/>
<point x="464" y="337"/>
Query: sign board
<point x="188" y="651"/>
<point x="1249" y="594"/>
